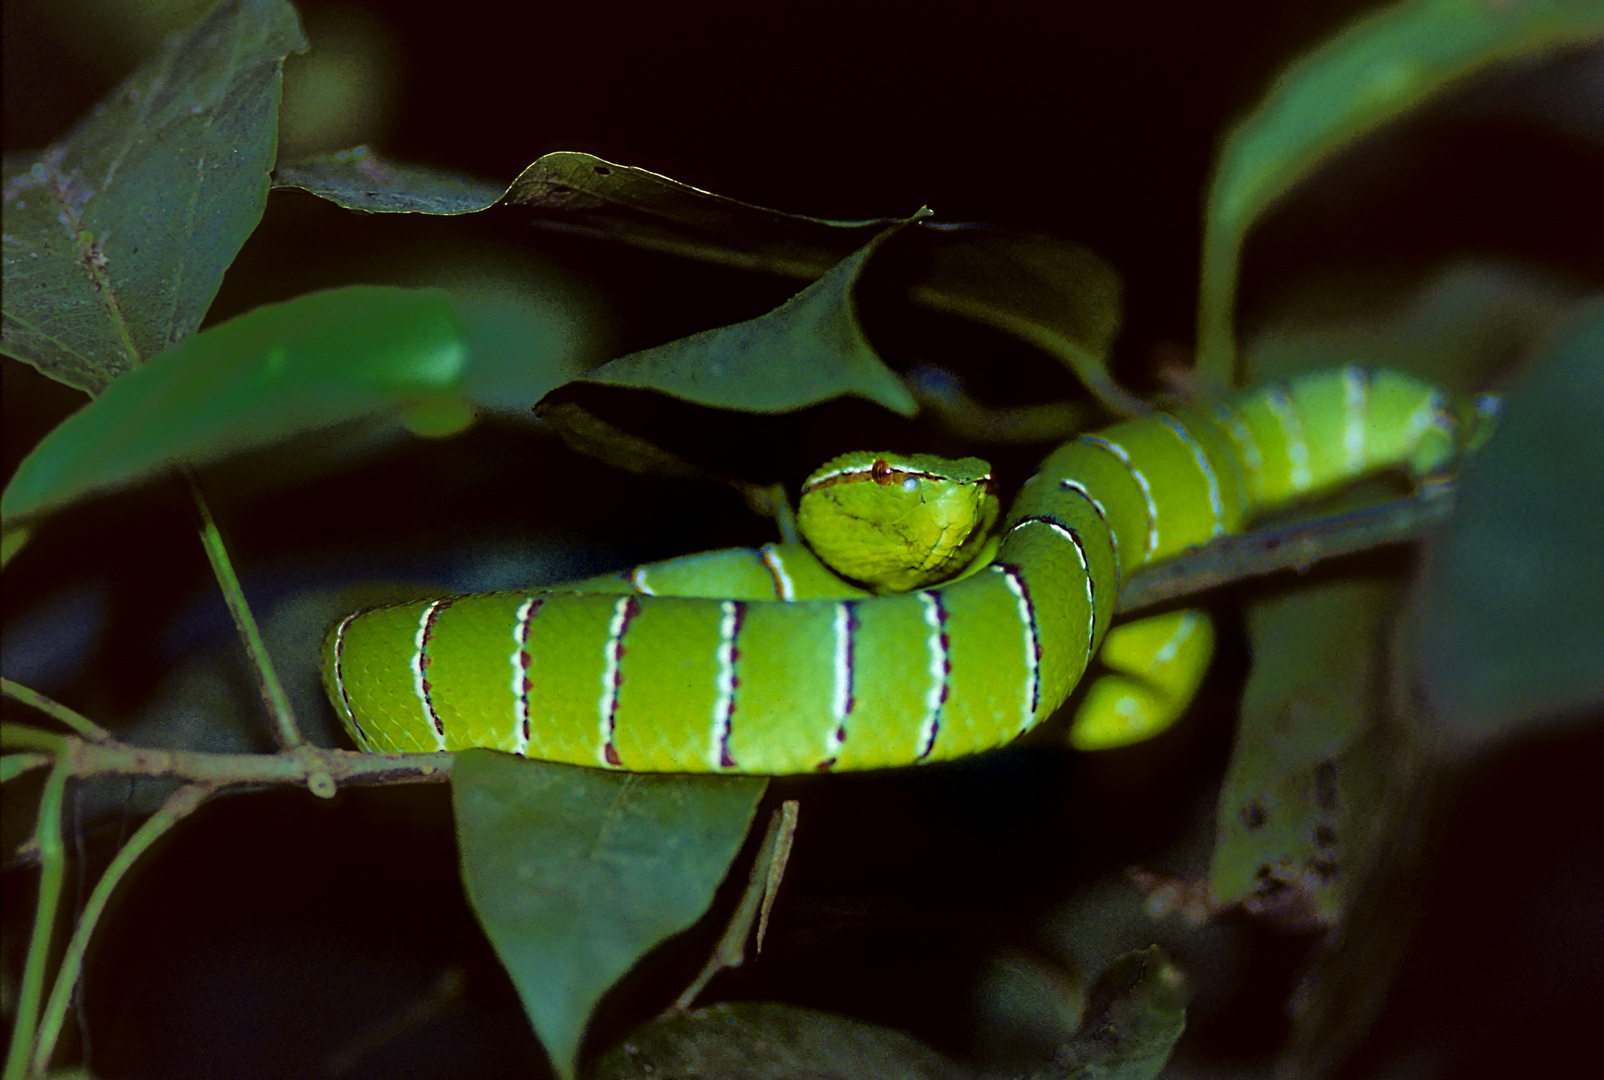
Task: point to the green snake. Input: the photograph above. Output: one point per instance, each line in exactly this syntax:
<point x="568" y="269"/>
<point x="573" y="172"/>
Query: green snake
<point x="769" y="662"/>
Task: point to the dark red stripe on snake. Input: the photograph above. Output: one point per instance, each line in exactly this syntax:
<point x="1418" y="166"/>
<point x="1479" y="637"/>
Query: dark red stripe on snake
<point x="1086" y="568"/>
<point x="851" y="662"/>
<point x="849" y="702"/>
<point x="424" y="660"/>
<point x="1013" y="574"/>
<point x="1080" y="489"/>
<point x="526" y="687"/>
<point x="934" y="598"/>
<point x="339" y="677"/>
<point x="1101" y="444"/>
<point x="631" y="610"/>
<point x="724" y="758"/>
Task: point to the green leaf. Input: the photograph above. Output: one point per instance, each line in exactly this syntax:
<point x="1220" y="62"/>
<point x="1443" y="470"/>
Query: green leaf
<point x="1056" y="295"/>
<point x="577" y="873"/>
<point x="581" y="193"/>
<point x="358" y="179"/>
<point x="770" y="1041"/>
<point x="116" y="238"/>
<point x="1299" y="799"/>
<point x="1511" y="634"/>
<point x="1135" y="1013"/>
<point x="1374" y="71"/>
<point x="284" y="368"/>
<point x="809" y="349"/>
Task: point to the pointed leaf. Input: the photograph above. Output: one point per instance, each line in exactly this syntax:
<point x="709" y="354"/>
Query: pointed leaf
<point x="1306" y="768"/>
<point x="116" y="238"/>
<point x="1135" y="1013"/>
<point x="1056" y="295"/>
<point x="359" y="179"/>
<point x="809" y="349"/>
<point x="577" y="873"/>
<point x="316" y="360"/>
<point x="581" y="193"/>
<point x="1379" y="68"/>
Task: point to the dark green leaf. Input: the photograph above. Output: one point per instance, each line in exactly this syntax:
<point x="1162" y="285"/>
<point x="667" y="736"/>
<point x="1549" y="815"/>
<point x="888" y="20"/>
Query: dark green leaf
<point x="1306" y="769"/>
<point x="358" y="179"/>
<point x="1374" y="71"/>
<point x="316" y="360"/>
<point x="1511" y="629"/>
<point x="1053" y="294"/>
<point x="1134" y="1014"/>
<point x="581" y="193"/>
<point x="807" y="350"/>
<point x="576" y="873"/>
<point x="766" y="1041"/>
<point x="118" y="236"/>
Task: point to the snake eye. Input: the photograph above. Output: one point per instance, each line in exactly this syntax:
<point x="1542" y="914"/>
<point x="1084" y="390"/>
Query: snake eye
<point x="881" y="471"/>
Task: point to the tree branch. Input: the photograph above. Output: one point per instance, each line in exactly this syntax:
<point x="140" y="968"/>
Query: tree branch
<point x="1290" y="547"/>
<point x="321" y="771"/>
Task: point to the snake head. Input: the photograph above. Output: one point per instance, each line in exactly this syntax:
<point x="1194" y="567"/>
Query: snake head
<point x="898" y="521"/>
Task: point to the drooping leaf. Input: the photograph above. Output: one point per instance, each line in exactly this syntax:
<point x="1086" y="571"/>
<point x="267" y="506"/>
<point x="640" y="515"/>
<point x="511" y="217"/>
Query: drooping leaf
<point x="576" y="873"/>
<point x="359" y="179"/>
<point x="582" y="193"/>
<point x="117" y="237"/>
<point x="1053" y="294"/>
<point x="1382" y="66"/>
<point x="770" y="1041"/>
<point x="808" y="350"/>
<point x="1135" y="1013"/>
<point x="319" y="359"/>
<point x="1511" y="632"/>
<point x="1298" y="807"/>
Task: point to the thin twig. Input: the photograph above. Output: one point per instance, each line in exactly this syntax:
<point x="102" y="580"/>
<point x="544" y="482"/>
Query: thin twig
<point x="311" y="766"/>
<point x="183" y="802"/>
<point x="761" y="884"/>
<point x="318" y="769"/>
<point x="1297" y="546"/>
<point x="278" y="702"/>
<point x="52" y="869"/>
<point x="55" y="709"/>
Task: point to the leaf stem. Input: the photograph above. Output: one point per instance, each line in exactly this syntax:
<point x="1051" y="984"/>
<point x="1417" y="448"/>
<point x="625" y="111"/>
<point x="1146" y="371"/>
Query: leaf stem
<point x="14" y="765"/>
<point x="286" y="729"/>
<point x="55" y="709"/>
<point x="183" y="802"/>
<point x="1216" y="314"/>
<point x="52" y="869"/>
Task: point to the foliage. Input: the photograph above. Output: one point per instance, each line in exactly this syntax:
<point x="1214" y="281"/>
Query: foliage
<point x="116" y="242"/>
